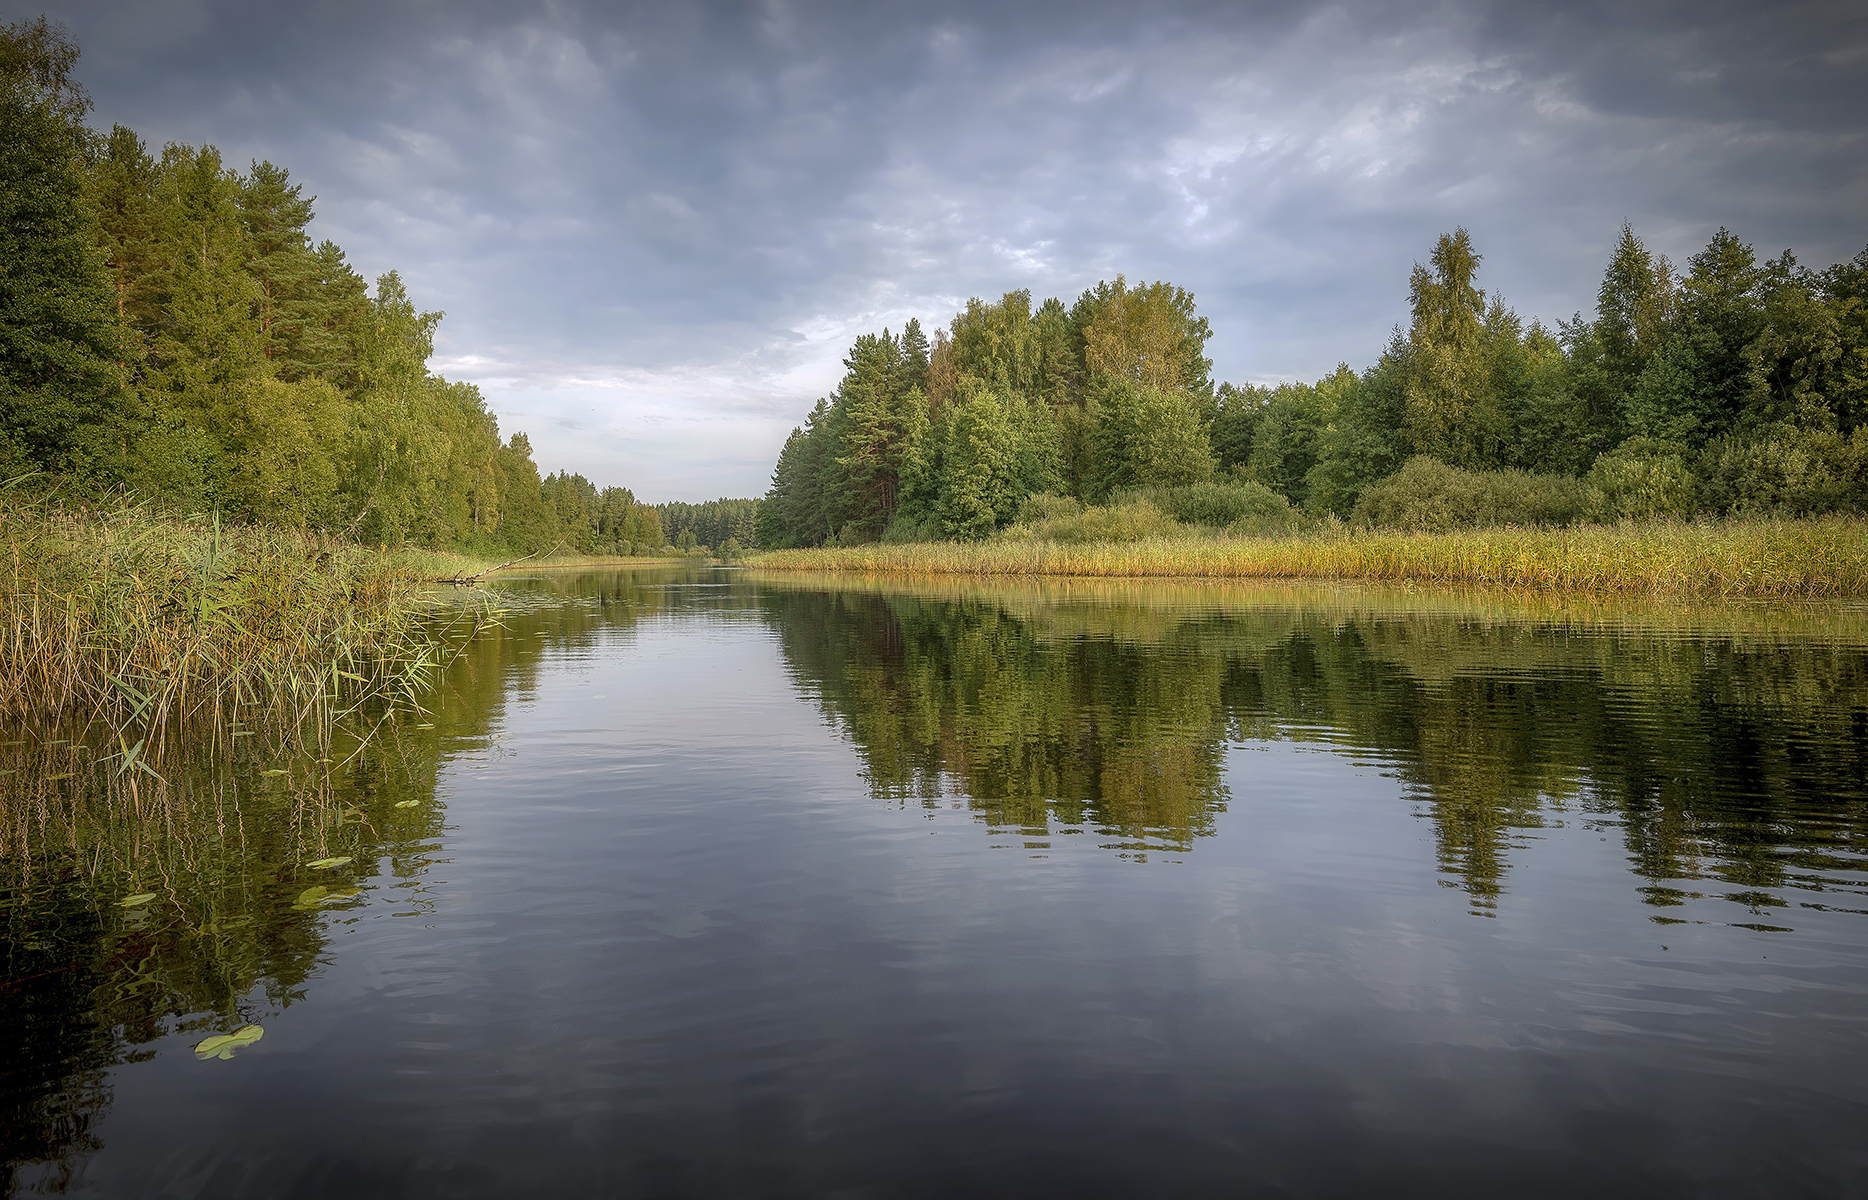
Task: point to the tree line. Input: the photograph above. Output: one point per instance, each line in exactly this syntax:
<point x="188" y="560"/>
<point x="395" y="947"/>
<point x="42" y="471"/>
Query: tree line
<point x="1730" y="387"/>
<point x="169" y="328"/>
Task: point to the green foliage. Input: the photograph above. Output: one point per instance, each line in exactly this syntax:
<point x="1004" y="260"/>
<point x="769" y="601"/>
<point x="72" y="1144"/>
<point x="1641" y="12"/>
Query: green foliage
<point x="714" y="523"/>
<point x="61" y="399"/>
<point x="978" y="462"/>
<point x="1239" y="506"/>
<point x="168" y="327"/>
<point x="1784" y="470"/>
<point x="1735" y="388"/>
<point x="1146" y="436"/>
<point x="1428" y="496"/>
<point x="1641" y="479"/>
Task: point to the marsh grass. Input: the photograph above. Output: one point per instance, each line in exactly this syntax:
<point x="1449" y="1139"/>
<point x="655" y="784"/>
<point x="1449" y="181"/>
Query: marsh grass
<point x="139" y="623"/>
<point x="1822" y="558"/>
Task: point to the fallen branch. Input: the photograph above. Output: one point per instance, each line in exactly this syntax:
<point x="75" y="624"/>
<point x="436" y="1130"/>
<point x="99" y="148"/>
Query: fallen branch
<point x="464" y="580"/>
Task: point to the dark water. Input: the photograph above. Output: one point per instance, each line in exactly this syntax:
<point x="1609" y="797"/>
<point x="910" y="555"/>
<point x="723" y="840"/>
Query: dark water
<point x="700" y="884"/>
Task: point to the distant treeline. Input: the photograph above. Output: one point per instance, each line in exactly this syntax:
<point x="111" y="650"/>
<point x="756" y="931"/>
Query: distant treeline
<point x="168" y="328"/>
<point x="1738" y="387"/>
<point x="721" y="525"/>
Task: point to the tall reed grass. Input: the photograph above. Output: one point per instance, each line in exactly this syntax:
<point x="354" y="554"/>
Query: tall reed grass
<point x="1816" y="558"/>
<point x="140" y="620"/>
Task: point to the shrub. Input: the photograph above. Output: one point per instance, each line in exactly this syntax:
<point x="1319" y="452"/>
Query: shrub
<point x="1245" y="506"/>
<point x="1641" y="479"/>
<point x="1785" y="471"/>
<point x="1428" y="496"/>
<point x="1048" y="506"/>
<point x="907" y="527"/>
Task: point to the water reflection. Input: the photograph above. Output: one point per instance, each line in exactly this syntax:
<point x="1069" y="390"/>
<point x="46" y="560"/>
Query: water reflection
<point x="221" y="839"/>
<point x="1725" y="746"/>
<point x="681" y="936"/>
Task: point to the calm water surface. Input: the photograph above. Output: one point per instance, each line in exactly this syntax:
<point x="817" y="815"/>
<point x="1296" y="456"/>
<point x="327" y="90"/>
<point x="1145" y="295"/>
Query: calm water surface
<point x="700" y="883"/>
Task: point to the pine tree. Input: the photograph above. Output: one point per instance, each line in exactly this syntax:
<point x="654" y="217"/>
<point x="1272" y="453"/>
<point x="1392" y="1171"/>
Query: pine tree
<point x="284" y="272"/>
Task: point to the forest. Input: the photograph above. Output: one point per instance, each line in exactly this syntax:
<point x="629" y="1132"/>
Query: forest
<point x="169" y="330"/>
<point x="1729" y="387"/>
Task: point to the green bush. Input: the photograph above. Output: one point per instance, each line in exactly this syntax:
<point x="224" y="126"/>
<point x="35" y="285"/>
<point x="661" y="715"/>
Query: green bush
<point x="907" y="527"/>
<point x="1244" y="506"/>
<point x="1048" y="506"/>
<point x="1428" y="496"/>
<point x="1785" y="471"/>
<point x="1641" y="479"/>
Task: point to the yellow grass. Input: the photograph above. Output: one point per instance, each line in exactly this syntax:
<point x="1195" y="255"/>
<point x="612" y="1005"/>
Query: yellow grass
<point x="1821" y="558"/>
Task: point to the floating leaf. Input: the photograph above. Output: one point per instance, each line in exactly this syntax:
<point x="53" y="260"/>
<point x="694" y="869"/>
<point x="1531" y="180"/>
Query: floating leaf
<point x="275" y="771"/>
<point x="424" y="727"/>
<point x="311" y="895"/>
<point x="325" y="864"/>
<point x="139" y="898"/>
<point x="63" y="775"/>
<point x="408" y="804"/>
<point x="223" y="1045"/>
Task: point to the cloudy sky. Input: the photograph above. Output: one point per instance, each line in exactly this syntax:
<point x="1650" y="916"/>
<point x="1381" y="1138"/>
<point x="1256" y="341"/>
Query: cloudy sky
<point x="655" y="228"/>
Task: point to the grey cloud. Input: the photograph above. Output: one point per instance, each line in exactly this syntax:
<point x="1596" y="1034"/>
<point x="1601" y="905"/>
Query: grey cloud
<point x="678" y="214"/>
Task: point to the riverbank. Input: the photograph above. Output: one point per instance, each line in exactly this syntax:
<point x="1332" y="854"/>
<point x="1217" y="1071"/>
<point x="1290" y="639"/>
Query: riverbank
<point x="1823" y="558"/>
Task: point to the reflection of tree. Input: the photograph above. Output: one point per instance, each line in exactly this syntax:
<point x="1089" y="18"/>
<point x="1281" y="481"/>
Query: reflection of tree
<point x="962" y="699"/>
<point x="1726" y="745"/>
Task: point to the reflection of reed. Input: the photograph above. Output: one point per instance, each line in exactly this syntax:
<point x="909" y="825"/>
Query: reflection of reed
<point x="221" y="828"/>
<point x="136" y="905"/>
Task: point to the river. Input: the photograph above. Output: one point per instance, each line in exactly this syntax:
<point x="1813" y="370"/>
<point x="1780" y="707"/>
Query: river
<point x="702" y="882"/>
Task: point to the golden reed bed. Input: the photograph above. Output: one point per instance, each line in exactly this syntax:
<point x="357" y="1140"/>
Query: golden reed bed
<point x="1824" y="558"/>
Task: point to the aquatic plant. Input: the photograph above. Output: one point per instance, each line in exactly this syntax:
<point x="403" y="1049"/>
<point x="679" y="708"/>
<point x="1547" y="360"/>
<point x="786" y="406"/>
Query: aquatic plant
<point x="139" y="620"/>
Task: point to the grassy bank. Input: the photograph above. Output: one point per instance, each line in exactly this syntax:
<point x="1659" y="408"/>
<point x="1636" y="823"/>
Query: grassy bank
<point x="139" y="620"/>
<point x="1819" y="558"/>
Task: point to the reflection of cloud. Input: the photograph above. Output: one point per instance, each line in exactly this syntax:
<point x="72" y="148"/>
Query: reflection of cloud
<point x="708" y="197"/>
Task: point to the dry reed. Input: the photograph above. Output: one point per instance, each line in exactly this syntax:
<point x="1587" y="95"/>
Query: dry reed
<point x="144" y="621"/>
<point x="1824" y="558"/>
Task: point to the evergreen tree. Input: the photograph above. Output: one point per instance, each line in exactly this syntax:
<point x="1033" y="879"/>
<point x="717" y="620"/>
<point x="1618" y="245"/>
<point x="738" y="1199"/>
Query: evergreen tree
<point x="274" y="215"/>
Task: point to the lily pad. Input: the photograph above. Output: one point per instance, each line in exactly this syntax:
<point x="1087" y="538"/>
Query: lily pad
<point x="408" y="804"/>
<point x="424" y="727"/>
<point x="139" y="898"/>
<point x="325" y="864"/>
<point x="275" y="771"/>
<point x="223" y="1045"/>
<point x="242" y="733"/>
<point x="311" y="896"/>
